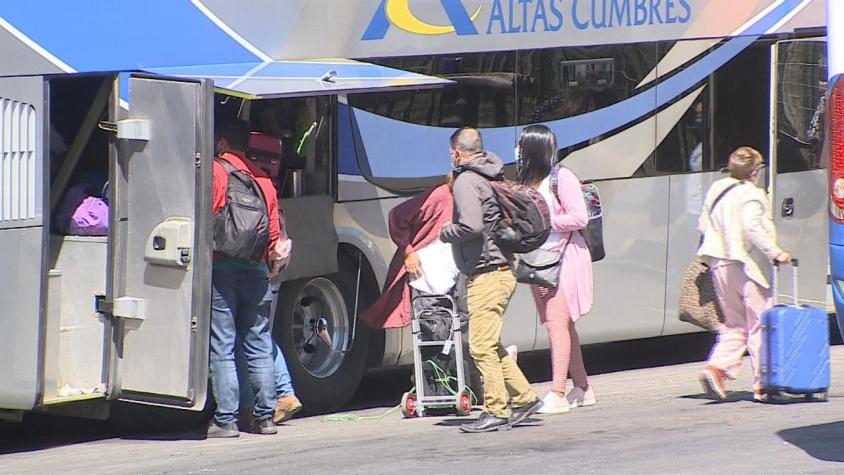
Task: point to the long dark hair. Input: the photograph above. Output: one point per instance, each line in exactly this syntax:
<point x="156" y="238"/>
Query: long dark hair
<point x="537" y="154"/>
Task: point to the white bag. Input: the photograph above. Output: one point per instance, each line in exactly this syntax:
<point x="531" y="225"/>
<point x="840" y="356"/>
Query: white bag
<point x="439" y="272"/>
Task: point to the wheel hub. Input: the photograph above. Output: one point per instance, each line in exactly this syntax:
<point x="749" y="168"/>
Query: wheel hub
<point x="320" y="327"/>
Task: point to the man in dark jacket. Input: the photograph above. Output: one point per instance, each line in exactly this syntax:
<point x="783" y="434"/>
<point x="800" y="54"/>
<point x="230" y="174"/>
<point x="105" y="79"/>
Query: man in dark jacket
<point x="490" y="282"/>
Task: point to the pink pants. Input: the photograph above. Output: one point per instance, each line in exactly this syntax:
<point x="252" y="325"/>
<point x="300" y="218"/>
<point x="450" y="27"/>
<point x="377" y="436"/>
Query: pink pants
<point x="566" y="354"/>
<point x="742" y="301"/>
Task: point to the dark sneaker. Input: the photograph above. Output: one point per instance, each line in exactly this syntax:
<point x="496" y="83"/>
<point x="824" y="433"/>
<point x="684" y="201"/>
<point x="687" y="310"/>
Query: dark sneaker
<point x="222" y="431"/>
<point x="265" y="427"/>
<point x="485" y="423"/>
<point x="519" y="414"/>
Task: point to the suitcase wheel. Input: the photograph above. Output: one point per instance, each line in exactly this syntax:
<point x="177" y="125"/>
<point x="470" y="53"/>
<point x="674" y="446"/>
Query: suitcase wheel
<point x="464" y="404"/>
<point x="408" y="405"/>
<point x="821" y="396"/>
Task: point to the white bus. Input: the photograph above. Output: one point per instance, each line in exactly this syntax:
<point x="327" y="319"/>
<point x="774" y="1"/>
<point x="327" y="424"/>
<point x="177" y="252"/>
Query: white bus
<point x="647" y="98"/>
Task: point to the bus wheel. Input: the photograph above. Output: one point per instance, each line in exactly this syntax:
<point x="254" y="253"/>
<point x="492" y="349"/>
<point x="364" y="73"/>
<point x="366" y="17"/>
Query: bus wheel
<point x="325" y="352"/>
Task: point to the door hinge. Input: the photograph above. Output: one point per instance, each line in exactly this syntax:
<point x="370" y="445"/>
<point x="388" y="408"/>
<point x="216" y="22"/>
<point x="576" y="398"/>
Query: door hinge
<point x="194" y="324"/>
<point x="197" y="159"/>
<point x="123" y="307"/>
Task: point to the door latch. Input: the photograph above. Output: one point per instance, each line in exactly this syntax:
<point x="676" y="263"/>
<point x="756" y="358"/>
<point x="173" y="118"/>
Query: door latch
<point x="122" y="307"/>
<point x="787" y="207"/>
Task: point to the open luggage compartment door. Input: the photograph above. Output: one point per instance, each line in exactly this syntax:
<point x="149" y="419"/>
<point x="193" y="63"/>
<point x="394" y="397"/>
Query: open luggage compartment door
<point x="22" y="239"/>
<point x="162" y="295"/>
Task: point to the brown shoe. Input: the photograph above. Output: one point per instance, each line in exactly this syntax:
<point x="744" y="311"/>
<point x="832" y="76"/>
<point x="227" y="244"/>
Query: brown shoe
<point x="285" y="408"/>
<point x="712" y="380"/>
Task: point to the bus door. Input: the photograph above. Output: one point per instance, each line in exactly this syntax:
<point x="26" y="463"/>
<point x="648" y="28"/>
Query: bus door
<point x="22" y="239"/>
<point x="162" y="265"/>
<point x="797" y="177"/>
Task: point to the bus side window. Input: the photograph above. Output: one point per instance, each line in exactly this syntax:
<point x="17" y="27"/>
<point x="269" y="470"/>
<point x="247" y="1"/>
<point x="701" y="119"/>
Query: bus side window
<point x="564" y="82"/>
<point x="483" y="95"/>
<point x="801" y="105"/>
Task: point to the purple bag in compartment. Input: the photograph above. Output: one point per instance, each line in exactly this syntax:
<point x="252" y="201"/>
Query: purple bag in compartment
<point x="90" y="218"/>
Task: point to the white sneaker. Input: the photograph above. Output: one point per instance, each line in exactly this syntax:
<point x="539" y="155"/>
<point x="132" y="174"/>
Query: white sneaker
<point x="579" y="398"/>
<point x="553" y="404"/>
<point x="513" y="351"/>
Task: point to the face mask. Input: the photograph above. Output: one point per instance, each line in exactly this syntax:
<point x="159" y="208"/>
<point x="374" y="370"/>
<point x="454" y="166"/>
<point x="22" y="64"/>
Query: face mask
<point x="518" y="153"/>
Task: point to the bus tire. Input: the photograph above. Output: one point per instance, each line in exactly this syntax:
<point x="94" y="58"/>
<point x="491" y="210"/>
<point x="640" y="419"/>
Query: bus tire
<point x="324" y="377"/>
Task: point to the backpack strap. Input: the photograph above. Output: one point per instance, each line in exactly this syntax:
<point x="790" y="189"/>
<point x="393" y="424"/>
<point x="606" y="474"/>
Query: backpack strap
<point x="722" y="194"/>
<point x="554" y="183"/>
<point x="231" y="169"/>
<point x="715" y="202"/>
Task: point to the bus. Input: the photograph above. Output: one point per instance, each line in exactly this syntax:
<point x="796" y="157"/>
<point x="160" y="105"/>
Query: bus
<point x="647" y="99"/>
<point x="835" y="151"/>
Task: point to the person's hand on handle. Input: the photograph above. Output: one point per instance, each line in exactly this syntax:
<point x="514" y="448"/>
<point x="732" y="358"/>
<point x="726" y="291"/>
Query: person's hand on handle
<point x="783" y="258"/>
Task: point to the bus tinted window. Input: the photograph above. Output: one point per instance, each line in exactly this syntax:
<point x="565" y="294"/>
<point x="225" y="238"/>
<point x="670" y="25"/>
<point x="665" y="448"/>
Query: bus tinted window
<point x="686" y="148"/>
<point x="564" y="82"/>
<point x="483" y="96"/>
<point x="801" y="105"/>
<point x="741" y="103"/>
<point x="731" y="110"/>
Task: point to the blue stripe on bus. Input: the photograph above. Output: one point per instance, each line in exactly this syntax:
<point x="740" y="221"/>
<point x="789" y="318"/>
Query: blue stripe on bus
<point x="108" y="35"/>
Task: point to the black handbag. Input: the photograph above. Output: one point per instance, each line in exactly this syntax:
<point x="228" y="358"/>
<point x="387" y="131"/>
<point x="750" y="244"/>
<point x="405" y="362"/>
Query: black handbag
<point x="538" y="267"/>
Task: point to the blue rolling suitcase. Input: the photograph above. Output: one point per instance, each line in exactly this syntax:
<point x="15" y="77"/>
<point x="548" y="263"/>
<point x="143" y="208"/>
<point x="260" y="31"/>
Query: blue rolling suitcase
<point x="795" y="348"/>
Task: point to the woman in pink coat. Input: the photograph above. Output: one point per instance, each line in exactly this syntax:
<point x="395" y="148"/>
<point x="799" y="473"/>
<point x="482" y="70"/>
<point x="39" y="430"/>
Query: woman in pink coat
<point x="559" y="308"/>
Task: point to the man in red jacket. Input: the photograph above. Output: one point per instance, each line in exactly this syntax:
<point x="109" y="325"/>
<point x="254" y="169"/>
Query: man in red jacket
<point x="240" y="302"/>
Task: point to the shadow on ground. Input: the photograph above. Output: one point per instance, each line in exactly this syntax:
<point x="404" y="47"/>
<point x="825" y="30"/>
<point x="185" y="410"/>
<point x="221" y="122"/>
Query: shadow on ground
<point x="822" y="441"/>
<point x="384" y="388"/>
<point x="380" y="389"/>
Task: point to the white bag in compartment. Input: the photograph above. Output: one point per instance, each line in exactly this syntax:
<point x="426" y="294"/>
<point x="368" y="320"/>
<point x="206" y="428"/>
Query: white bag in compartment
<point x="439" y="272"/>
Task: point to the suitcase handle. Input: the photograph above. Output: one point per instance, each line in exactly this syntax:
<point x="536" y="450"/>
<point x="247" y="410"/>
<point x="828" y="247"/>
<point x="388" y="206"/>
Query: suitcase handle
<point x="795" y="263"/>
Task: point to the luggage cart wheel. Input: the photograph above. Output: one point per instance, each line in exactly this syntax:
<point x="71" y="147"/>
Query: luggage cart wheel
<point x="408" y="405"/>
<point x="464" y="404"/>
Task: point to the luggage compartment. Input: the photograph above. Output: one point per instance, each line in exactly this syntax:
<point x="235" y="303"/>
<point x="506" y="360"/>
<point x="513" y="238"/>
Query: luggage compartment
<point x="77" y="335"/>
<point x="76" y="331"/>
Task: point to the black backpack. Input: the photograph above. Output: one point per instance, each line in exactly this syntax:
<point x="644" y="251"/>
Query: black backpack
<point x="525" y="220"/>
<point x="241" y="228"/>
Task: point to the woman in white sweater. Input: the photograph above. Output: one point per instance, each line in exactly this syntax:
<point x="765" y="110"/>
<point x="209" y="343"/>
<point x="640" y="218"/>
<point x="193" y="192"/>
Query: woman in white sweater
<point x="739" y="245"/>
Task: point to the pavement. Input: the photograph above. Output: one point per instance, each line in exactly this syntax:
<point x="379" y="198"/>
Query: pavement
<point x="647" y="420"/>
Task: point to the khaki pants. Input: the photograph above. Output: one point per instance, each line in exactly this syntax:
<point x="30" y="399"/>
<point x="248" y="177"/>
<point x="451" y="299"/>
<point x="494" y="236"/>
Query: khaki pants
<point x="488" y="296"/>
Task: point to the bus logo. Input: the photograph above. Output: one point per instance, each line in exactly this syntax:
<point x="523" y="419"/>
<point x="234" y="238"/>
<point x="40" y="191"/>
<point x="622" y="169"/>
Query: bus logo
<point x="398" y="13"/>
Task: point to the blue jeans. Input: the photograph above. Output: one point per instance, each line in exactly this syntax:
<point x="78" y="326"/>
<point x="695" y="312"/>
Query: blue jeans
<point x="240" y="310"/>
<point x="283" y="383"/>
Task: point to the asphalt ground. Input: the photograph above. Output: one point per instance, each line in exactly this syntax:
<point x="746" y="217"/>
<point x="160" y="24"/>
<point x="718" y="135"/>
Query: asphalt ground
<point x="651" y="418"/>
